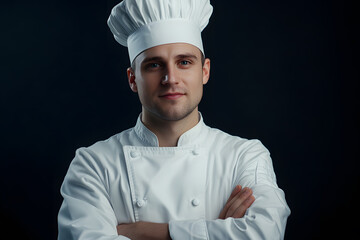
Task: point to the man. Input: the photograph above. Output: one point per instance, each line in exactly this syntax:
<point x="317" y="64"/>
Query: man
<point x="171" y="176"/>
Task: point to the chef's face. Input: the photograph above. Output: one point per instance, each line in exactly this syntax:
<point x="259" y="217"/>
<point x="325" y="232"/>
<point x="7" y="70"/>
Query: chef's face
<point x="169" y="80"/>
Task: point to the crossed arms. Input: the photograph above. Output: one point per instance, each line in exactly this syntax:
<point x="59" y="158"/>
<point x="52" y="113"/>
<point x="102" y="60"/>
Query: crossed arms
<point x="87" y="211"/>
<point x="237" y="204"/>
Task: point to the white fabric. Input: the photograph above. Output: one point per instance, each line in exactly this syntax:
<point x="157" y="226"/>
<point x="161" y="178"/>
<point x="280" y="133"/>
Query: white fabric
<point x="142" y="24"/>
<point x="128" y="178"/>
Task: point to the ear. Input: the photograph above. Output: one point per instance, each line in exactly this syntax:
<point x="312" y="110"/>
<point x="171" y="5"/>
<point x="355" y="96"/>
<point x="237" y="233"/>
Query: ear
<point x="131" y="78"/>
<point x="206" y="71"/>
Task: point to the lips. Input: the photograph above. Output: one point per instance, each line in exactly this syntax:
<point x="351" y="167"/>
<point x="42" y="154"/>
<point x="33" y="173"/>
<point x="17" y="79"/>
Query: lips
<point x="172" y="96"/>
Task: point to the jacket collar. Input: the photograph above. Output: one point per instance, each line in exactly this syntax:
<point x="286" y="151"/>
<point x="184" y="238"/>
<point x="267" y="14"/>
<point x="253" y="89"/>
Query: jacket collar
<point x="190" y="137"/>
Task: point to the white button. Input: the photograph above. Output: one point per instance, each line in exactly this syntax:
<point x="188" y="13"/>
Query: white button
<point x="195" y="202"/>
<point x="140" y="203"/>
<point x="134" y="154"/>
<point x="196" y="152"/>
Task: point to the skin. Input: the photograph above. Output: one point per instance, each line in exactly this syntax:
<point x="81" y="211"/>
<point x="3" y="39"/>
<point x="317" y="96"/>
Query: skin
<point x="181" y="64"/>
<point x="169" y="116"/>
<point x="237" y="204"/>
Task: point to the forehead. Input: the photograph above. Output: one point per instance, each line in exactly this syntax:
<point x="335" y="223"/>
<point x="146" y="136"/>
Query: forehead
<point x="168" y="51"/>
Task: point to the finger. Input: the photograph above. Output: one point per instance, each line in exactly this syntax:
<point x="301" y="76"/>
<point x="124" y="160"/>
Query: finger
<point x="238" y="195"/>
<point x="240" y="212"/>
<point x="237" y="201"/>
<point x="231" y="201"/>
<point x="236" y="190"/>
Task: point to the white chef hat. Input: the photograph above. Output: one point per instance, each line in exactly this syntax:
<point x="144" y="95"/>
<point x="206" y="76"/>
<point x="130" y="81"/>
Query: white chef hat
<point x="142" y="24"/>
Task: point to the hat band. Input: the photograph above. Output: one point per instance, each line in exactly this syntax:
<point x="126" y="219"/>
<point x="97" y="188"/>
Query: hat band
<point x="164" y="32"/>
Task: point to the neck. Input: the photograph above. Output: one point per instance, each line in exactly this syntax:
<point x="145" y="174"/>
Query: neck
<point x="169" y="132"/>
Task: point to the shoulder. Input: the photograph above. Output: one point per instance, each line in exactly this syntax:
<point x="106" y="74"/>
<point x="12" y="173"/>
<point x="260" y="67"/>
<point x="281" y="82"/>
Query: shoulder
<point x="252" y="161"/>
<point x="249" y="157"/>
<point x="238" y="144"/>
<point x="103" y="153"/>
<point x="97" y="163"/>
<point x="111" y="144"/>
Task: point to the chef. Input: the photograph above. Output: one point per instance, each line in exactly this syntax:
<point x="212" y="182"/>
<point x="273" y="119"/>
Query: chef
<point x="170" y="176"/>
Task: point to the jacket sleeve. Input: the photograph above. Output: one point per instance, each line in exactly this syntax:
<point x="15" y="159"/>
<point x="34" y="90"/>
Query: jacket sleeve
<point x="265" y="219"/>
<point x="86" y="211"/>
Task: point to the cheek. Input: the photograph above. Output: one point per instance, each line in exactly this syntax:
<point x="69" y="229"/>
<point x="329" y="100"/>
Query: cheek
<point x="195" y="89"/>
<point x="197" y="83"/>
<point x="146" y="89"/>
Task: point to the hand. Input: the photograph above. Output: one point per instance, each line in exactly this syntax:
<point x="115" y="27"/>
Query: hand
<point x="144" y="230"/>
<point x="237" y="204"/>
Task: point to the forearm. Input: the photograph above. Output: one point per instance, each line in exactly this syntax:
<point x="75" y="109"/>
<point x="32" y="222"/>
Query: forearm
<point x="265" y="219"/>
<point x="145" y="230"/>
<point x="155" y="231"/>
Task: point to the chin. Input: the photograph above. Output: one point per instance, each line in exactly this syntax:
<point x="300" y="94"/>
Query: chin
<point x="175" y="114"/>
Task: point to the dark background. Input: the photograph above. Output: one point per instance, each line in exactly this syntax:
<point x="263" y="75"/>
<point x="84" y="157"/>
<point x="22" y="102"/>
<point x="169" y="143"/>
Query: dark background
<point x="284" y="72"/>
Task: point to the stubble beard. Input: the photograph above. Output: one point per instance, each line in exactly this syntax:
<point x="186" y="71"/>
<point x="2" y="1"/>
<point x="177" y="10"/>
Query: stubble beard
<point x="174" y="114"/>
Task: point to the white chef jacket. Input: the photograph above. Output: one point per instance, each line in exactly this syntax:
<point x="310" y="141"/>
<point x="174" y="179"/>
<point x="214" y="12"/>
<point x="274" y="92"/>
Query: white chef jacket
<point x="129" y="178"/>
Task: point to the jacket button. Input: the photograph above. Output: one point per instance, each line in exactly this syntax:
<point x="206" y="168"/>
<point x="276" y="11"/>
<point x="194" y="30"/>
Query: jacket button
<point x="196" y="152"/>
<point x="140" y="203"/>
<point x="195" y="202"/>
<point x="134" y="154"/>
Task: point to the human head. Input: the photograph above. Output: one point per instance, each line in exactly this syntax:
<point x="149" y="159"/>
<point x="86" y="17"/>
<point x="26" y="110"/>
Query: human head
<point x="165" y="29"/>
<point x="185" y="73"/>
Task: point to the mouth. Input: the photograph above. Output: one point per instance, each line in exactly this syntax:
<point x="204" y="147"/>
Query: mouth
<point x="172" y="96"/>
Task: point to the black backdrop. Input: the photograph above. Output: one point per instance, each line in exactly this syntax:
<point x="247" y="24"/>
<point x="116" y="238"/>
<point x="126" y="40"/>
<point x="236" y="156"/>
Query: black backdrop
<point x="284" y="72"/>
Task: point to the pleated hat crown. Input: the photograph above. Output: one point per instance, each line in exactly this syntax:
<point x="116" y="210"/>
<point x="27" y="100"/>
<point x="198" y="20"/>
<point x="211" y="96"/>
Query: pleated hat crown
<point x="142" y="24"/>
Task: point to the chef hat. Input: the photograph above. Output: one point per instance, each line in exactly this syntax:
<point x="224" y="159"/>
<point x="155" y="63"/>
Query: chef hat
<point x="142" y="24"/>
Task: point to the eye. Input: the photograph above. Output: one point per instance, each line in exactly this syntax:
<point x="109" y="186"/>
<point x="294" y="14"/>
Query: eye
<point x="152" y="66"/>
<point x="184" y="62"/>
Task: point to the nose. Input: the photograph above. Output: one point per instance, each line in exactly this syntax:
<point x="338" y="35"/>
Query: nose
<point x="169" y="77"/>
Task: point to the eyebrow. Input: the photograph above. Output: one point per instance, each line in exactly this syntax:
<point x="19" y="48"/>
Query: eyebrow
<point x="150" y="59"/>
<point x="187" y="55"/>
